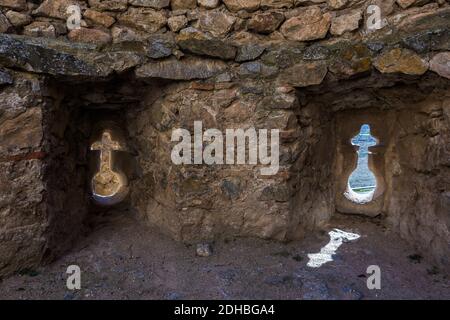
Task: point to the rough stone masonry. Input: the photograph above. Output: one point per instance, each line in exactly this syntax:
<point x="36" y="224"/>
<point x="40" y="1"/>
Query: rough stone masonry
<point x="314" y="69"/>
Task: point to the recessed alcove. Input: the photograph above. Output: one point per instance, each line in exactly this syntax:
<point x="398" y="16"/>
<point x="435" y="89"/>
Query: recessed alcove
<point x="362" y="182"/>
<point x="405" y="119"/>
<point x="78" y="119"/>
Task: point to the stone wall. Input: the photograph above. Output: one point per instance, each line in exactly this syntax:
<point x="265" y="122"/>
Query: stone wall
<point x="312" y="69"/>
<point x="410" y="161"/>
<point x="43" y="198"/>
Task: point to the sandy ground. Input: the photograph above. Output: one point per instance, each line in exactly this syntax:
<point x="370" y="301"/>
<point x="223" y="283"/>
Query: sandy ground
<point x="122" y="259"/>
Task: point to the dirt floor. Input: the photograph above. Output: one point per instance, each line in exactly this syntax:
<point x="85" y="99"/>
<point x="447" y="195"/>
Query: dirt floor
<point x="122" y="259"/>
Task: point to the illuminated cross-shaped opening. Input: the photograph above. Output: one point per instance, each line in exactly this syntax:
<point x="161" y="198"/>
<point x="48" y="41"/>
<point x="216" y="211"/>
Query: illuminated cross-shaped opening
<point x="362" y="182"/>
<point x="108" y="186"/>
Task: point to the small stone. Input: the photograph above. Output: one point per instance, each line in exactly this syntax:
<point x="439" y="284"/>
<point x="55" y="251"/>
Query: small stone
<point x="18" y="19"/>
<point x="277" y="4"/>
<point x="14" y="4"/>
<point x="351" y="61"/>
<point x="23" y="131"/>
<point x="177" y="23"/>
<point x="40" y="29"/>
<point x="440" y="64"/>
<point x="204" y="250"/>
<point x="208" y="4"/>
<point x="346" y="22"/>
<point x="230" y="189"/>
<point x="155" y="4"/>
<point x="144" y="19"/>
<point x="99" y="18"/>
<point x="109" y="5"/>
<point x="247" y="5"/>
<point x="174" y="296"/>
<point x="160" y="46"/>
<point x="249" y="52"/>
<point x="305" y="74"/>
<point x="126" y="34"/>
<point x="183" y="4"/>
<point x="310" y="24"/>
<point x="316" y="52"/>
<point x="184" y="69"/>
<point x="279" y="100"/>
<point x="336" y="4"/>
<point x="5" y="78"/>
<point x="196" y="42"/>
<point x="266" y="22"/>
<point x="405" y="3"/>
<point x="401" y="61"/>
<point x="276" y="193"/>
<point x="55" y="8"/>
<point x="89" y="36"/>
<point x="5" y="26"/>
<point x="215" y="22"/>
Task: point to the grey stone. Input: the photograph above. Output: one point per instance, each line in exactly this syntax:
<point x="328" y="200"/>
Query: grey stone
<point x="5" y="78"/>
<point x="249" y="52"/>
<point x="197" y="42"/>
<point x="184" y="69"/>
<point x="203" y="250"/>
<point x="160" y="46"/>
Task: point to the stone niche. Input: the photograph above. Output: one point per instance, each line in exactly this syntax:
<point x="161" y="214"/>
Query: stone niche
<point x="348" y="124"/>
<point x="60" y="120"/>
<point x="146" y="72"/>
<point x="410" y="161"/>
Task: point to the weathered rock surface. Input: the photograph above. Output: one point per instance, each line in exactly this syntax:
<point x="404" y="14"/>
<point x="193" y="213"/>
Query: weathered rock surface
<point x="14" y="4"/>
<point x="5" y="78"/>
<point x="351" y="61"/>
<point x="60" y="58"/>
<point x="305" y="74"/>
<point x="100" y="18"/>
<point x="310" y="24"/>
<point x="55" y="8"/>
<point x="177" y="23"/>
<point x="156" y="4"/>
<point x="401" y="60"/>
<point x="265" y="22"/>
<point x="5" y="25"/>
<point x="185" y="69"/>
<point x="337" y="4"/>
<point x="183" y="4"/>
<point x="216" y="23"/>
<point x="144" y="19"/>
<point x="209" y="4"/>
<point x="247" y="5"/>
<point x="90" y="36"/>
<point x="440" y="64"/>
<point x="197" y="42"/>
<point x="40" y="29"/>
<point x="18" y="19"/>
<point x="346" y="22"/>
<point x="109" y="5"/>
<point x="160" y="46"/>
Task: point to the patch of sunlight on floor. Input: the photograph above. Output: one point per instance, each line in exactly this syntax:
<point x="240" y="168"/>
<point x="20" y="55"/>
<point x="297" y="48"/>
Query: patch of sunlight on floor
<point x="337" y="237"/>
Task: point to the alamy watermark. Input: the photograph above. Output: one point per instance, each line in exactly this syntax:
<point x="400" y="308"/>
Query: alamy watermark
<point x="74" y="20"/>
<point x="374" y="280"/>
<point x="237" y="142"/>
<point x="74" y="279"/>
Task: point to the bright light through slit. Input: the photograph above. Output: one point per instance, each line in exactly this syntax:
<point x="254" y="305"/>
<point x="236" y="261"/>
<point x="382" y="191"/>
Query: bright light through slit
<point x="337" y="237"/>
